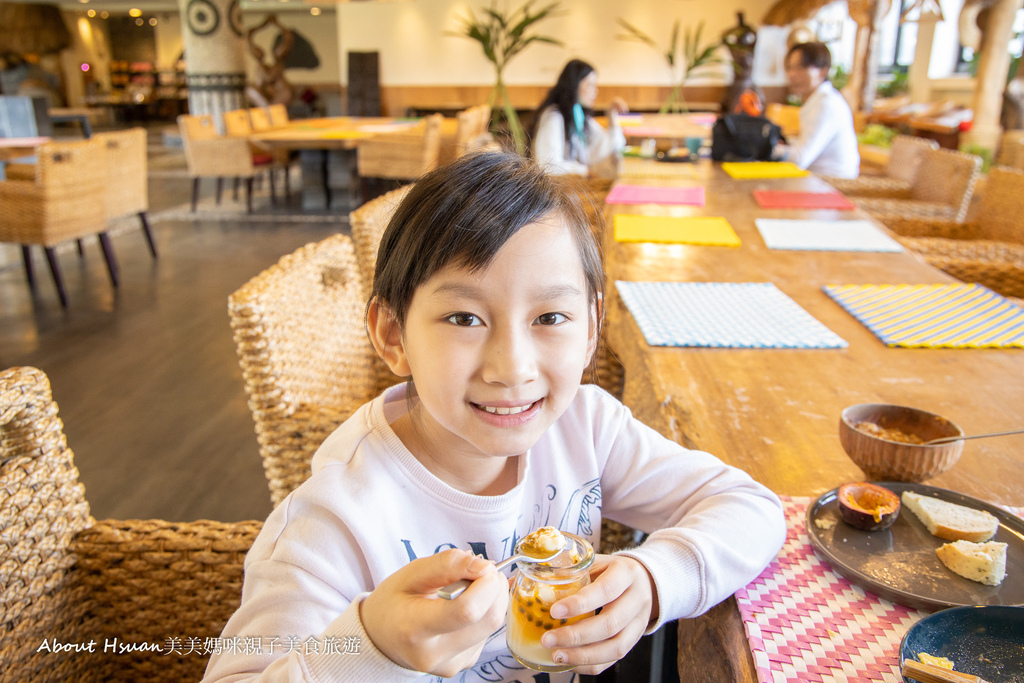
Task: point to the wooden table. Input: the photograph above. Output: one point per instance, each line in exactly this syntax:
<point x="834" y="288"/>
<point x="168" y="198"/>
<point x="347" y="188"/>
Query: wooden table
<point x="326" y="149"/>
<point x="667" y="129"/>
<point x="14" y="148"/>
<point x="775" y="412"/>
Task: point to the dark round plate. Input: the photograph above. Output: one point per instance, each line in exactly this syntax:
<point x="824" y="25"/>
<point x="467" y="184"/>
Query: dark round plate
<point x="900" y="565"/>
<point x="986" y="641"/>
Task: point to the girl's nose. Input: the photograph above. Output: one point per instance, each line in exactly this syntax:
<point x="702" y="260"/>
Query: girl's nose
<point x="510" y="358"/>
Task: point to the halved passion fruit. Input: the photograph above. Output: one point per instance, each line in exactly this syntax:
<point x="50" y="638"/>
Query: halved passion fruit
<point x="868" y="507"/>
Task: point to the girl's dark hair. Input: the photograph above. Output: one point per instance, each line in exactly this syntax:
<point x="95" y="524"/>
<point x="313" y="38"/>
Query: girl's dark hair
<point x="812" y="54"/>
<point x="563" y="95"/>
<point x="463" y="213"/>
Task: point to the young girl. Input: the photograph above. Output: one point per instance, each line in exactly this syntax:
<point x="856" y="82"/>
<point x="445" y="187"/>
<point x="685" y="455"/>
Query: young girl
<point x="566" y="138"/>
<point x="487" y="296"/>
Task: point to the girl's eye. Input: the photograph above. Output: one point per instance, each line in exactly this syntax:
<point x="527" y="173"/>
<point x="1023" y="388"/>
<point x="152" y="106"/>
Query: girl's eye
<point x="463" y="319"/>
<point x="551" y="318"/>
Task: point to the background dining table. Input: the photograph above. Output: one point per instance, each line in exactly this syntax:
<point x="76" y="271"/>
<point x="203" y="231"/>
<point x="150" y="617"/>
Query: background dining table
<point x="774" y="412"/>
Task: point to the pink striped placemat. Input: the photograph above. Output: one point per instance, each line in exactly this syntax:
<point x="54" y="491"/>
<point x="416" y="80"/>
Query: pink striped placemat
<point x="804" y="622"/>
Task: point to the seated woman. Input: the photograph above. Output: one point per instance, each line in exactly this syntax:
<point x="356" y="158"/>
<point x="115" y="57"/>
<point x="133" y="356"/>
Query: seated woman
<point x="566" y="138"/>
<point x="827" y="144"/>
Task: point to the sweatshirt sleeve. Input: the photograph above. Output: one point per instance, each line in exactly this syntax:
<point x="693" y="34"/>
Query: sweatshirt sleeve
<point x="818" y="129"/>
<point x="711" y="528"/>
<point x="549" y="147"/>
<point x="294" y="625"/>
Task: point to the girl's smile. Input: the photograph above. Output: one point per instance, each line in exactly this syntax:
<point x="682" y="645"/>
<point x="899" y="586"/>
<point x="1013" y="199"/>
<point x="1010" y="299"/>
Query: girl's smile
<point x="496" y="355"/>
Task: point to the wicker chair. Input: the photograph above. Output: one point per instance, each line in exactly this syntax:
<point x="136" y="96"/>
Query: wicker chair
<point x="68" y="578"/>
<point x="210" y="155"/>
<point x="307" y="363"/>
<point x="238" y="124"/>
<point x="942" y="188"/>
<point x="905" y="159"/>
<point x="471" y="125"/>
<point x="988" y="248"/>
<point x="260" y="119"/>
<point x="127" y="185"/>
<point x="65" y="201"/>
<point x="278" y="115"/>
<point x="1011" y="149"/>
<point x="402" y="156"/>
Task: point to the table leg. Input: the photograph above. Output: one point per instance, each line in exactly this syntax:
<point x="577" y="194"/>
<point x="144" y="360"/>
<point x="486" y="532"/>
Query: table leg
<point x="713" y="648"/>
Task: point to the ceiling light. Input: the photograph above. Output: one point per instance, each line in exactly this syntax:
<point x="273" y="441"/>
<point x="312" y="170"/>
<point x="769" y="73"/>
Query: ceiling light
<point x="135" y="12"/>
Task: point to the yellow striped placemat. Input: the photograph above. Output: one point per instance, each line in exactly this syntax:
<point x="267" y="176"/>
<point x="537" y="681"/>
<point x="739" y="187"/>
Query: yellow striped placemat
<point x="934" y="316"/>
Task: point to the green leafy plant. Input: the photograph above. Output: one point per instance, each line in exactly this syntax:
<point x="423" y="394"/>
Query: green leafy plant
<point x="986" y="153"/>
<point x="693" y="57"/>
<point x="503" y="36"/>
<point x="878" y="135"/>
<point x="840" y="77"/>
<point x="898" y="85"/>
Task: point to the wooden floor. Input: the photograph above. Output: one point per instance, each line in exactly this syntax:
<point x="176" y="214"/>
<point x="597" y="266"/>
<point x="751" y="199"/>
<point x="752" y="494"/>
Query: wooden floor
<point x="146" y="377"/>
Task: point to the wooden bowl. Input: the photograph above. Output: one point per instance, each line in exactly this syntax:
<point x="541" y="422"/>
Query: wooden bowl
<point x="884" y="459"/>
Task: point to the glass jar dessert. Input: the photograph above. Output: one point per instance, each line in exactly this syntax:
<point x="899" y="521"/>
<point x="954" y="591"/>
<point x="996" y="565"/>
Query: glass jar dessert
<point x="536" y="587"/>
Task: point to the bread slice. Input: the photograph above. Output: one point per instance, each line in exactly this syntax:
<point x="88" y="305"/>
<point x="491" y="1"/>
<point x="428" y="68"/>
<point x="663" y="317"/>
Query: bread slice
<point x="951" y="521"/>
<point x="981" y="562"/>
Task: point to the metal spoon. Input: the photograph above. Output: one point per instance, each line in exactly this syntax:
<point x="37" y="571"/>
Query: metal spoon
<point x="951" y="439"/>
<point x="454" y="590"/>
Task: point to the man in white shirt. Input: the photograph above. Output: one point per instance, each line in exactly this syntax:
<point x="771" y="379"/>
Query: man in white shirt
<point x="827" y="144"/>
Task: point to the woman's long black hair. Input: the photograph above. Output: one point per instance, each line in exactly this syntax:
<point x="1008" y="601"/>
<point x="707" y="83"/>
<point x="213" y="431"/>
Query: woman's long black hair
<point x="563" y="95"/>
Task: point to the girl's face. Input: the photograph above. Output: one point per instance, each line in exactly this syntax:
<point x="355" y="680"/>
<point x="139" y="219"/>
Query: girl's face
<point x="586" y="93"/>
<point x="497" y="355"/>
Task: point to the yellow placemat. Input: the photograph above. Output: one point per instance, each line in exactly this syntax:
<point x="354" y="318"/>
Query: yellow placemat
<point x="345" y="135"/>
<point x="707" y="230"/>
<point x="649" y="168"/>
<point x="746" y="170"/>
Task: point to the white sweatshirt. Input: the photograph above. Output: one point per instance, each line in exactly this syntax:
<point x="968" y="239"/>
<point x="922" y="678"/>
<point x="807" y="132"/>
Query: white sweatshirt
<point x="371" y="507"/>
<point x="558" y="157"/>
<point x="827" y="144"/>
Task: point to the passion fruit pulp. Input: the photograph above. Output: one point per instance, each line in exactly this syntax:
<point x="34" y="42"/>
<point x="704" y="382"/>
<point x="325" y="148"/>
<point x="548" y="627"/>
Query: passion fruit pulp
<point x="868" y="507"/>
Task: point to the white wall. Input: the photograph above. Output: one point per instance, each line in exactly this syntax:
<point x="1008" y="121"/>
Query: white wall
<point x="414" y="50"/>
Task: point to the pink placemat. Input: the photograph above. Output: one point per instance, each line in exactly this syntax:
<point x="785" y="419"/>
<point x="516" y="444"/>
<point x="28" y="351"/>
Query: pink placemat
<point x="644" y="194"/>
<point x="782" y="199"/>
<point x="804" y="622"/>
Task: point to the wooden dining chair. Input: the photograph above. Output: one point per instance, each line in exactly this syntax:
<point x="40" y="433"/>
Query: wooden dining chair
<point x="400" y="156"/>
<point x="942" y="188"/>
<point x="302" y="345"/>
<point x="211" y="155"/>
<point x="905" y="158"/>
<point x="68" y="578"/>
<point x="66" y="200"/>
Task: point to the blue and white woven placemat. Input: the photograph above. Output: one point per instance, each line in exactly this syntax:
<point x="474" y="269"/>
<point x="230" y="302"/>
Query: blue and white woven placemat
<point x="752" y="315"/>
<point x="779" y="233"/>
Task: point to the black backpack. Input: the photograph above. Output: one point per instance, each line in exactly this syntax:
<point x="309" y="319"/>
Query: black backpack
<point x="741" y="137"/>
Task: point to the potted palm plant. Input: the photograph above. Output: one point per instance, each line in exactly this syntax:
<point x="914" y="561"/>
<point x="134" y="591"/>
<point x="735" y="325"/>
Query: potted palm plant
<point x="694" y="57"/>
<point x="503" y="35"/>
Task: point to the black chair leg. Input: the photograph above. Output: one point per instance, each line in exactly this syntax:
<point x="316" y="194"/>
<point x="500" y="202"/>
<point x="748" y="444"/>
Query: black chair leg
<point x="81" y="247"/>
<point x="51" y="258"/>
<point x="108" y="255"/>
<point x="273" y="187"/>
<point x="26" y="256"/>
<point x="287" y="184"/>
<point x="195" y="193"/>
<point x="234" y="196"/>
<point x="248" y="193"/>
<point x="220" y="187"/>
<point x="148" y="232"/>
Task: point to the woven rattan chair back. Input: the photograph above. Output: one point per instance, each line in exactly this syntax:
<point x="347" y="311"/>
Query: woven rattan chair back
<point x="195" y="129"/>
<point x="278" y="115"/>
<point x="1011" y="149"/>
<point x="69" y="579"/>
<point x="65" y="200"/>
<point x="947" y="176"/>
<point x="208" y="154"/>
<point x="405" y="155"/>
<point x="237" y="123"/>
<point x="368" y="224"/>
<point x="1000" y="207"/>
<point x="305" y="357"/>
<point x="127" y="187"/>
<point x="905" y="156"/>
<point x="260" y="119"/>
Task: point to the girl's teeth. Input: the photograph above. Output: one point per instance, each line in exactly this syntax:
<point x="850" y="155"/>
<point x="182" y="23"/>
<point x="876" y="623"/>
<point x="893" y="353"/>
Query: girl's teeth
<point x="494" y="410"/>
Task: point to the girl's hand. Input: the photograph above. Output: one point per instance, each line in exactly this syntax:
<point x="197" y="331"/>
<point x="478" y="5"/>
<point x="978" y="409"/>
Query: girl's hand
<point x="618" y="106"/>
<point x="625" y="591"/>
<point x="411" y="626"/>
